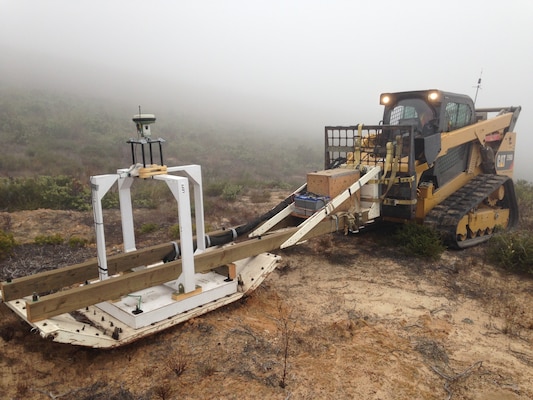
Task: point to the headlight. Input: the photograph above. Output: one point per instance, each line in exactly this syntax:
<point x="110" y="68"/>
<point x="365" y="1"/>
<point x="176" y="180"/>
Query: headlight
<point x="385" y="99"/>
<point x="433" y="96"/>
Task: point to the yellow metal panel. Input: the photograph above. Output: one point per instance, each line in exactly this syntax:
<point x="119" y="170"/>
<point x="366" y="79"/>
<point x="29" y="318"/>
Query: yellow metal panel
<point x="469" y="133"/>
<point x="505" y="155"/>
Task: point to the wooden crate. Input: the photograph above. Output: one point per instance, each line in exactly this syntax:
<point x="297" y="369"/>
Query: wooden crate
<point x="332" y="182"/>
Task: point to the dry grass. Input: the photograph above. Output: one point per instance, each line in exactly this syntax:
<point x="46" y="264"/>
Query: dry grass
<point x="177" y="362"/>
<point x="164" y="391"/>
<point x="260" y="196"/>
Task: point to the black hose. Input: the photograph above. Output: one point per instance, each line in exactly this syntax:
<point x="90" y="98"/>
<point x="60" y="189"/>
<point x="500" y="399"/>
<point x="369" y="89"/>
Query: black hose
<point x="229" y="235"/>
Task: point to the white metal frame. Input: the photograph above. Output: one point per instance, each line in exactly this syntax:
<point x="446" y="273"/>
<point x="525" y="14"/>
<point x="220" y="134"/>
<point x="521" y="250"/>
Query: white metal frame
<point x="179" y="186"/>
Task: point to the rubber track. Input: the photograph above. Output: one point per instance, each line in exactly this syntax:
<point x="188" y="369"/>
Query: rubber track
<point x="446" y="216"/>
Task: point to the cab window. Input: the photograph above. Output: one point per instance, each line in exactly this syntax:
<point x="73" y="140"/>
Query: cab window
<point x="409" y="109"/>
<point x="457" y="115"/>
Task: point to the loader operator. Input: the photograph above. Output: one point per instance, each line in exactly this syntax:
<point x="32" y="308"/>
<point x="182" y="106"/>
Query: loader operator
<point x="427" y="121"/>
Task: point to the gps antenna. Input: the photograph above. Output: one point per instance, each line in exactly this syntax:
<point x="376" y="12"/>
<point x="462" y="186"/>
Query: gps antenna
<point x="478" y="86"/>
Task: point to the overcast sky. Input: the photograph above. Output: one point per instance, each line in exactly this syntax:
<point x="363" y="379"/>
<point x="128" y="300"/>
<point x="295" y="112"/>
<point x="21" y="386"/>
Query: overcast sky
<point x="284" y="63"/>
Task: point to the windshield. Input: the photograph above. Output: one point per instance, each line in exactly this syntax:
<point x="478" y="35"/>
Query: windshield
<point x="405" y="111"/>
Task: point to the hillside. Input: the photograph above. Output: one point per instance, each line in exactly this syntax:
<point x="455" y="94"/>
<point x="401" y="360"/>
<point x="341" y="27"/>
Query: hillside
<point x="51" y="133"/>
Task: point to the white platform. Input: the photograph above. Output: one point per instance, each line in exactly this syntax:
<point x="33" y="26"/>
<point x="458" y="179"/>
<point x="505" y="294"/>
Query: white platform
<point x="94" y="327"/>
<point x="157" y="303"/>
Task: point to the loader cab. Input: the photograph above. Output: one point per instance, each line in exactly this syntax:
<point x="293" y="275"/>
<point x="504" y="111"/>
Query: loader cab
<point x="410" y="111"/>
<point x="449" y="111"/>
<point x="429" y="111"/>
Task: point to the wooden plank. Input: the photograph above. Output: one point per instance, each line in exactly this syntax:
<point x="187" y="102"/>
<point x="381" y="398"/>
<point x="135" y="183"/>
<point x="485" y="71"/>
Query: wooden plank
<point x="48" y="281"/>
<point x="63" y="277"/>
<point x="182" y="296"/>
<point x="112" y="288"/>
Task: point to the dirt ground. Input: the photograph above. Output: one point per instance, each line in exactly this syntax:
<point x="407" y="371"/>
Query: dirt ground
<point x="342" y="317"/>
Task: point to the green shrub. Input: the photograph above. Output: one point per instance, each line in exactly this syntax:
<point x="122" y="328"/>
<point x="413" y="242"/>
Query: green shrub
<point x="144" y="198"/>
<point x="149" y="227"/>
<point x="110" y="200"/>
<point x="524" y="194"/>
<point x="419" y="241"/>
<point x="149" y="194"/>
<point x="227" y="190"/>
<point x="231" y="191"/>
<point x="54" y="239"/>
<point x="512" y="251"/>
<point x="524" y="191"/>
<point x="57" y="193"/>
<point x="76" y="242"/>
<point x="174" y="231"/>
<point x="7" y="243"/>
<point x="214" y="189"/>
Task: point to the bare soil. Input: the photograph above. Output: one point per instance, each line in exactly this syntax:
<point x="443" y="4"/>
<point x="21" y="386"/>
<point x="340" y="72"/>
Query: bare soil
<point x="342" y="317"/>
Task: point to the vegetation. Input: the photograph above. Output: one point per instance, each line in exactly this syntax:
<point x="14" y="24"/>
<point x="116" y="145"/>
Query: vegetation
<point x="57" y="193"/>
<point x="524" y="194"/>
<point x="177" y="362"/>
<point x="70" y="136"/>
<point x="149" y="227"/>
<point x="419" y="241"/>
<point x="174" y="232"/>
<point x="260" y="196"/>
<point x="7" y="243"/>
<point x="61" y="135"/>
<point x="53" y="143"/>
<point x="286" y="326"/>
<point x="76" y="242"/>
<point x="149" y="195"/>
<point x="514" y="250"/>
<point x="54" y="239"/>
<point x="230" y="192"/>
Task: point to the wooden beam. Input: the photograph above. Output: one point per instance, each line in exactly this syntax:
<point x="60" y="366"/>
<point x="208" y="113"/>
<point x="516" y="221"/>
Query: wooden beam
<point x="48" y="281"/>
<point x="83" y="296"/>
<point x="112" y="288"/>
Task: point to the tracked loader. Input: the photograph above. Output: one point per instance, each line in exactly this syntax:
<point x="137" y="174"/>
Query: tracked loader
<point x="443" y="163"/>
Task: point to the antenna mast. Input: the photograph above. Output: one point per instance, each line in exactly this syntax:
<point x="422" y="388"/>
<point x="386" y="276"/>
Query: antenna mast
<point x="478" y="86"/>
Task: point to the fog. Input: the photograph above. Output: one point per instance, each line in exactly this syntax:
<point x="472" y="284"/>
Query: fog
<point x="284" y="66"/>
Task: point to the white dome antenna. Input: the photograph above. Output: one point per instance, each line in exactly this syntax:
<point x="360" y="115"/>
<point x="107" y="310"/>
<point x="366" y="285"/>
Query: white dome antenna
<point x="143" y="122"/>
<point x="144" y="137"/>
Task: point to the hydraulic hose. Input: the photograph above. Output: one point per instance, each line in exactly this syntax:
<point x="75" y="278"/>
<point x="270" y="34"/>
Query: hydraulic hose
<point x="229" y="235"/>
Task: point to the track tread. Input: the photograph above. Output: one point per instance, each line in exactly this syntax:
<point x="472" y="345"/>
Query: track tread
<point x="446" y="216"/>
